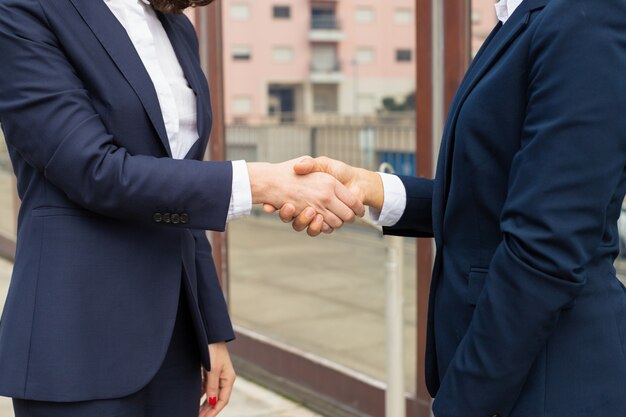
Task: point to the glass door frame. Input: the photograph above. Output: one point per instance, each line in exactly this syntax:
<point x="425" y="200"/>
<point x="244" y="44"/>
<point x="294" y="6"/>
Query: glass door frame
<point x="443" y="53"/>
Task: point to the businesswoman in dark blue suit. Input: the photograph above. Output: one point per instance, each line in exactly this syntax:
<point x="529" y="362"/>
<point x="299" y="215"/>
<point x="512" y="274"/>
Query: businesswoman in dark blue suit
<point x="106" y="114"/>
<point x="526" y="315"/>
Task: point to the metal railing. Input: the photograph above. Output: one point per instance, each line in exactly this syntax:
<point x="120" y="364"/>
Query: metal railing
<point x="325" y="23"/>
<point x="326" y="66"/>
<point x="359" y="144"/>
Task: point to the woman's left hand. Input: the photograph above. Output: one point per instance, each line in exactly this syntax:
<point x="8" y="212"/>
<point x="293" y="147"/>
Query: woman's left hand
<point x="217" y="383"/>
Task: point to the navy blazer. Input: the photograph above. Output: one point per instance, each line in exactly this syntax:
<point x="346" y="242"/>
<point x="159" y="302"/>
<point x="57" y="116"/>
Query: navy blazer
<point x="526" y="315"/>
<point x="109" y="223"/>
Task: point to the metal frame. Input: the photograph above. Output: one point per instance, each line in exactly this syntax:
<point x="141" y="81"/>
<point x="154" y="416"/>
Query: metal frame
<point x="209" y="28"/>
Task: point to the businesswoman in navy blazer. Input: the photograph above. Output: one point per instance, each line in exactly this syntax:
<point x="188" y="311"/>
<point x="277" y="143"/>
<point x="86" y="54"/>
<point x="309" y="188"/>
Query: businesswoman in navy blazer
<point x="526" y="315"/>
<point x="106" y="114"/>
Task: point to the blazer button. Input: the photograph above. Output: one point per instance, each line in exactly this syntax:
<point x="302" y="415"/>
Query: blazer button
<point x="158" y="217"/>
<point x="175" y="218"/>
<point x="166" y="218"/>
<point x="184" y="218"/>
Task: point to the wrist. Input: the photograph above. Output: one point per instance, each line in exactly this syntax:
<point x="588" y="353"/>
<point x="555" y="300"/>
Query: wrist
<point x="373" y="191"/>
<point x="260" y="177"/>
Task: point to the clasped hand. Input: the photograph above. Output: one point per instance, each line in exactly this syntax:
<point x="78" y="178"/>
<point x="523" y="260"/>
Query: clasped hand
<point x="318" y="195"/>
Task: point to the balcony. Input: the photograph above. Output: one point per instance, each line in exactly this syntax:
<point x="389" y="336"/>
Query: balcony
<point x="326" y="28"/>
<point x="326" y="72"/>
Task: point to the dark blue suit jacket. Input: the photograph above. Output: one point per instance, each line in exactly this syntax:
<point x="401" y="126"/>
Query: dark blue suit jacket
<point x="109" y="223"/>
<point x="526" y="316"/>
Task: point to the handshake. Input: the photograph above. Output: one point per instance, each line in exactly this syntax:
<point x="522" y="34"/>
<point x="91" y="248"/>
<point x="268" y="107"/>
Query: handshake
<point x="318" y="195"/>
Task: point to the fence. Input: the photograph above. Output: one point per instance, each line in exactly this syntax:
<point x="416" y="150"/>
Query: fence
<point x="365" y="145"/>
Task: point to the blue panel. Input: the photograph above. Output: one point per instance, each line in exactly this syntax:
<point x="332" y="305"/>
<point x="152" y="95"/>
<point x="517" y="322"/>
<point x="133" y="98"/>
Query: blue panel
<point x="402" y="162"/>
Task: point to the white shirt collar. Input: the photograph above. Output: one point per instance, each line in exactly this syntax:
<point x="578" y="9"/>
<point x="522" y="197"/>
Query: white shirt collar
<point x="505" y="8"/>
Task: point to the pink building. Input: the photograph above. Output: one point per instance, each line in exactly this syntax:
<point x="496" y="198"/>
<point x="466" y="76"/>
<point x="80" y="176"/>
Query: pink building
<point x="286" y="58"/>
<point x="483" y="20"/>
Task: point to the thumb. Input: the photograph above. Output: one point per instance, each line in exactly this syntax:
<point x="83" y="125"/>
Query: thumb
<point x="305" y="166"/>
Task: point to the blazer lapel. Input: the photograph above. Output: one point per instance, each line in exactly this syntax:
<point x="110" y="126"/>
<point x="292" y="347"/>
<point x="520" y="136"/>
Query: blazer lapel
<point x="118" y="45"/>
<point x="193" y="73"/>
<point x="499" y="42"/>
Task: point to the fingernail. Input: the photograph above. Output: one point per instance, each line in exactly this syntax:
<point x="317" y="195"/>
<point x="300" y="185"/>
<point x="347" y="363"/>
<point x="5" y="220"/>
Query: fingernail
<point x="213" y="401"/>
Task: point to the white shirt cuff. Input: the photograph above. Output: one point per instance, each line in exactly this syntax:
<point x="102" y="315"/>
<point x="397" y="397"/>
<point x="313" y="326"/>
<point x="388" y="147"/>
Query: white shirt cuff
<point x="241" y="197"/>
<point x="394" y="204"/>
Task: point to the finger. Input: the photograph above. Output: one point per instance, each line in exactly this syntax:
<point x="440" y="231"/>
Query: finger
<point x="349" y="199"/>
<point x="315" y="228"/>
<point x="332" y="218"/>
<point x="226" y="388"/>
<point x="304" y="219"/>
<point x="287" y="213"/>
<point x="326" y="229"/>
<point x="337" y="213"/>
<point x="268" y="208"/>
<point x="204" y="409"/>
<point x="213" y="387"/>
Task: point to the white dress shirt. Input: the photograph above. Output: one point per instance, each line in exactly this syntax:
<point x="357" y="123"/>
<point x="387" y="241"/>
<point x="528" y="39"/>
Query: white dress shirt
<point x="394" y="204"/>
<point x="505" y="8"/>
<point x="176" y="98"/>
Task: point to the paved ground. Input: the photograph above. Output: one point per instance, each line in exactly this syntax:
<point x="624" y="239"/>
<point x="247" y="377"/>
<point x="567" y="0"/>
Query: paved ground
<point x="249" y="400"/>
<point x="325" y="296"/>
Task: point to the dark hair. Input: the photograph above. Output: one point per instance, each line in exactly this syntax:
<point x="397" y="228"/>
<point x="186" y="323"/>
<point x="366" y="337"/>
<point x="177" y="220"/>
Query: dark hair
<point x="177" y="6"/>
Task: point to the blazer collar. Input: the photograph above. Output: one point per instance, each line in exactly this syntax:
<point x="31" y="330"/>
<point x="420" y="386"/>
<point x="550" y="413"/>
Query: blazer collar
<point x="118" y="45"/>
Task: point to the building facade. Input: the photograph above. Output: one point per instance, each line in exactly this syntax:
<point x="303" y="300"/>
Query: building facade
<point x="288" y="58"/>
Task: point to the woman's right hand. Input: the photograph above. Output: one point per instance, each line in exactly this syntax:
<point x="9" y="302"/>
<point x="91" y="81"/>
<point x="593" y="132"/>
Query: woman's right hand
<point x="365" y="185"/>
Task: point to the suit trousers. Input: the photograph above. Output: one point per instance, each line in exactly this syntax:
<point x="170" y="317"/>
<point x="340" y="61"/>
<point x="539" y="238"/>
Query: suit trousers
<point x="173" y="392"/>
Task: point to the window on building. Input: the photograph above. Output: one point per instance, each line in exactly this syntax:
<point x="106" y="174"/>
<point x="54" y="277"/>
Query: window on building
<point x="404" y="55"/>
<point x="242" y="53"/>
<point x="364" y="14"/>
<point x="282" y="12"/>
<point x="364" y="55"/>
<point x="403" y="16"/>
<point x="242" y="105"/>
<point x="282" y="54"/>
<point x="324" y="17"/>
<point x="240" y="11"/>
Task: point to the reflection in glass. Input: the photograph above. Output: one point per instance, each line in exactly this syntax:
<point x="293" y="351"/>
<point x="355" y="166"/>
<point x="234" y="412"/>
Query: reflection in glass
<point x="7" y="192"/>
<point x="321" y="81"/>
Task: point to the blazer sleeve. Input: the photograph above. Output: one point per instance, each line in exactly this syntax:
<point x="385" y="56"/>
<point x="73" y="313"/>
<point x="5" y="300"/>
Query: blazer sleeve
<point x="210" y="295"/>
<point x="561" y="183"/>
<point x="417" y="220"/>
<point x="49" y="119"/>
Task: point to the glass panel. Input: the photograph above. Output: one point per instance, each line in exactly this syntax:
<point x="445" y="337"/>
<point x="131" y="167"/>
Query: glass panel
<point x="483" y="19"/>
<point x="7" y="194"/>
<point x="342" y="94"/>
<point x="620" y="263"/>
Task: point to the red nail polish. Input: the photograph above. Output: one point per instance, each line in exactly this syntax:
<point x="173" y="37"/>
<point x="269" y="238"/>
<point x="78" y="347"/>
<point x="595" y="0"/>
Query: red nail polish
<point x="212" y="401"/>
